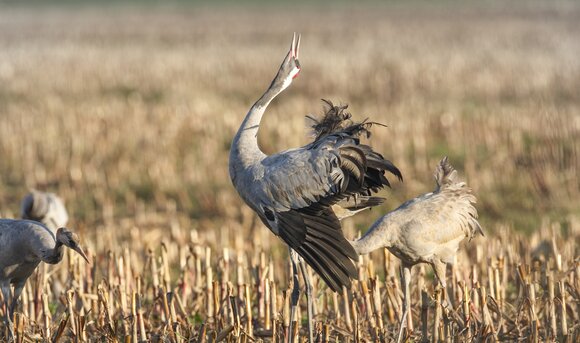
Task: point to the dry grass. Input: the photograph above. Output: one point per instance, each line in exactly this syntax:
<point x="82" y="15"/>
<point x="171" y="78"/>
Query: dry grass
<point x="128" y="113"/>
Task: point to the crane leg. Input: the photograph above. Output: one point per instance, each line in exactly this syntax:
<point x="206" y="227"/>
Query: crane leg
<point x="405" y="282"/>
<point x="7" y="319"/>
<point x="17" y="291"/>
<point x="440" y="269"/>
<point x="308" y="299"/>
<point x="295" y="294"/>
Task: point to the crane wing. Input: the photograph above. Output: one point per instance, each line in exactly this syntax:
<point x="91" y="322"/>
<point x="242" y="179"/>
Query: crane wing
<point x="299" y="187"/>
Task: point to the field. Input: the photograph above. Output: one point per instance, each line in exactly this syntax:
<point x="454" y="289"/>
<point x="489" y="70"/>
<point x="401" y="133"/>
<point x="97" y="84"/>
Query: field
<point x="128" y="111"/>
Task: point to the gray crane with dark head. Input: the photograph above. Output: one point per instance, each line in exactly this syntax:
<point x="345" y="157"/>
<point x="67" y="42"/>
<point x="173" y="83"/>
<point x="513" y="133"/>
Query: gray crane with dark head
<point x="294" y="191"/>
<point x="427" y="229"/>
<point x="23" y="245"/>
<point x="44" y="207"/>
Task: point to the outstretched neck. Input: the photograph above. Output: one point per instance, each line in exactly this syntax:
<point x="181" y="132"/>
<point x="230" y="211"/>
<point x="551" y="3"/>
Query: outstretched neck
<point x="380" y="235"/>
<point x="55" y="255"/>
<point x="245" y="149"/>
<point x="245" y="152"/>
<point x="251" y="124"/>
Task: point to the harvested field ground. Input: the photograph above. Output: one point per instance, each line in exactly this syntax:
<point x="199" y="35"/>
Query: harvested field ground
<point x="128" y="111"/>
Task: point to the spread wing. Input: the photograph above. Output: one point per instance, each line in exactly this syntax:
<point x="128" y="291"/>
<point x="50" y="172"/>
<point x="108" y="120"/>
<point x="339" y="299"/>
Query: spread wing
<point x="299" y="188"/>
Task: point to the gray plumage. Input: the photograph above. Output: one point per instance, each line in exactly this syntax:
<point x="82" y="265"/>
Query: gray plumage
<point x="427" y="229"/>
<point x="46" y="208"/>
<point x="294" y="191"/>
<point x="23" y="245"/>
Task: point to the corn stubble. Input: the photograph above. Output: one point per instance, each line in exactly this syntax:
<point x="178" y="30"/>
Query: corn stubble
<point x="501" y="289"/>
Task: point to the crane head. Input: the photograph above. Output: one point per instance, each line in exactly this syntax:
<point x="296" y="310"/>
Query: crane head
<point x="290" y="67"/>
<point x="71" y="240"/>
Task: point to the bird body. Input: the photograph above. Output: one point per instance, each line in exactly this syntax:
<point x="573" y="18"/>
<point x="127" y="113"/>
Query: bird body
<point x="294" y="192"/>
<point x="426" y="229"/>
<point x="429" y="227"/>
<point x="44" y="207"/>
<point x="23" y="245"/>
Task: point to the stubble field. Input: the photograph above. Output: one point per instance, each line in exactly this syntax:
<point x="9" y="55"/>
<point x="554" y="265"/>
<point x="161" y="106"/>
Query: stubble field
<point x="127" y="112"/>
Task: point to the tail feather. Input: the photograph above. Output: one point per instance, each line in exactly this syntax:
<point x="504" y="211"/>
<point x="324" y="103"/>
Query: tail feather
<point x="337" y="119"/>
<point x="447" y="182"/>
<point x="364" y="170"/>
<point x="445" y="174"/>
<point x="334" y="120"/>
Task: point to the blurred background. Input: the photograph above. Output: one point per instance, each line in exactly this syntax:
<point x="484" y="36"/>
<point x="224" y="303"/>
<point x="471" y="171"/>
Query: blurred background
<point x="127" y="109"/>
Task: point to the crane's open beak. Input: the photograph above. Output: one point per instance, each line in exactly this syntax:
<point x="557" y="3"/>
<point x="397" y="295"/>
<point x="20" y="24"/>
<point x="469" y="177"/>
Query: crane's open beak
<point x="295" y="46"/>
<point x="294" y="52"/>
<point x="78" y="249"/>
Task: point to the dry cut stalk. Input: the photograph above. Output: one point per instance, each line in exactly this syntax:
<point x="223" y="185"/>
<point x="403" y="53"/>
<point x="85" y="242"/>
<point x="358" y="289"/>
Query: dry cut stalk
<point x="267" y="306"/>
<point x="466" y="310"/>
<point x="564" y="319"/>
<point x="533" y="315"/>
<point x="424" y="316"/>
<point x="356" y="333"/>
<point x="378" y="307"/>
<point x="368" y="306"/>
<point x="437" y="321"/>
<point x="46" y="315"/>
<point x="286" y="314"/>
<point x="346" y="303"/>
<point x="488" y="327"/>
<point x="248" y="303"/>
<point x="69" y="298"/>
<point x="134" y="319"/>
<point x="551" y="309"/>
<point x="274" y="308"/>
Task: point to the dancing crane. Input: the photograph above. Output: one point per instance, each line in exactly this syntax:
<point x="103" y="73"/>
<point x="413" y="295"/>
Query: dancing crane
<point x="294" y="191"/>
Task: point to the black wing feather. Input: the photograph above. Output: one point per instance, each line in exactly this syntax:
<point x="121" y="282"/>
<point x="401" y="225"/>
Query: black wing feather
<point x="315" y="234"/>
<point x="314" y="231"/>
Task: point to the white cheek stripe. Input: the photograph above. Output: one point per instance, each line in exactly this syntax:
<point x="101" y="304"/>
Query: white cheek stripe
<point x="289" y="78"/>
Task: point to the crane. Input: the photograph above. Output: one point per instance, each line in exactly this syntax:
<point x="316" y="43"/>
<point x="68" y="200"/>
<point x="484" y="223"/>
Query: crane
<point x="426" y="229"/>
<point x="295" y="192"/>
<point x="44" y="207"/>
<point x="23" y="245"/>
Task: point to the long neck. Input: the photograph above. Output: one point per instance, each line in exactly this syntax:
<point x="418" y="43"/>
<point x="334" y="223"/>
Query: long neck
<point x="245" y="149"/>
<point x="380" y="235"/>
<point x="54" y="255"/>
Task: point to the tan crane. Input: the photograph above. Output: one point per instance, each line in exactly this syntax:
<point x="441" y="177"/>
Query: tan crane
<point x="426" y="229"/>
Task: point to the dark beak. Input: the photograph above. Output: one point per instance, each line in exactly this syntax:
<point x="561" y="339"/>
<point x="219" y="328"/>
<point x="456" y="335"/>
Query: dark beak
<point x="78" y="249"/>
